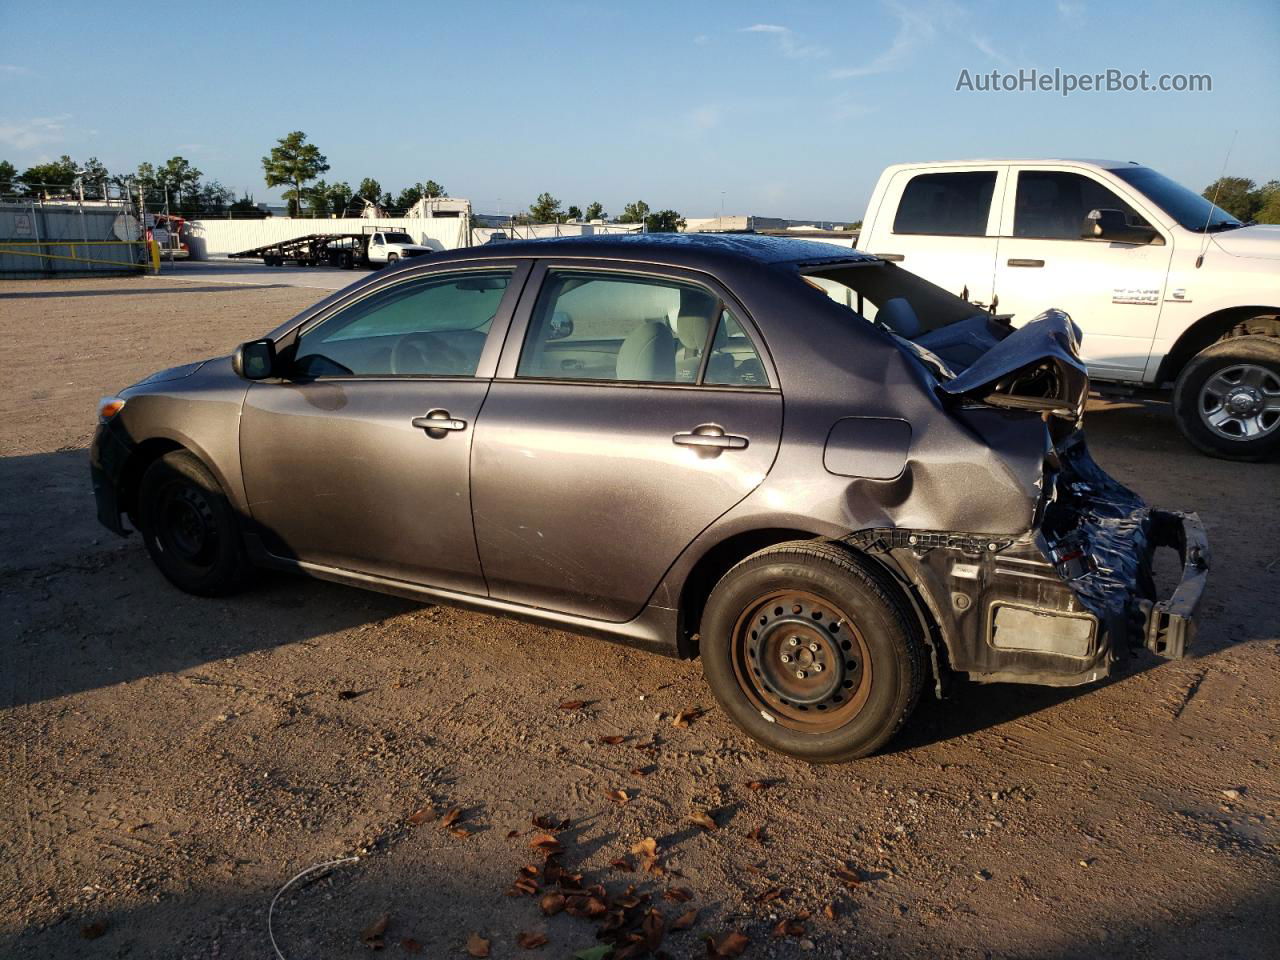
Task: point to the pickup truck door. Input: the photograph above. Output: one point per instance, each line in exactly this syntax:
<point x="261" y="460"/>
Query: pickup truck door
<point x="941" y="225"/>
<point x="1113" y="291"/>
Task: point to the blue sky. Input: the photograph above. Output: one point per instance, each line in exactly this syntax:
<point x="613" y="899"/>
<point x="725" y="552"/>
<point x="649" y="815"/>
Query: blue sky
<point x="785" y="109"/>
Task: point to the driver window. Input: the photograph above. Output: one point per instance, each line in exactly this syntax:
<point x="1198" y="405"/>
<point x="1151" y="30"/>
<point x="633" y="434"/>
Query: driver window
<point x="434" y="326"/>
<point x="1050" y="205"/>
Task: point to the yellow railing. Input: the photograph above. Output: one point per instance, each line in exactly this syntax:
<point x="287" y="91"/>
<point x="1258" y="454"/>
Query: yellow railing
<point x="7" y="247"/>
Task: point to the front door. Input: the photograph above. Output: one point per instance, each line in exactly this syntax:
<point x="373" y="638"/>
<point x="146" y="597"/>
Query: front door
<point x="634" y="412"/>
<point x="359" y="458"/>
<point x="1112" y="291"/>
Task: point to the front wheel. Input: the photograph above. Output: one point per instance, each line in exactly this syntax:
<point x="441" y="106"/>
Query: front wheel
<point x="1227" y="399"/>
<point x="189" y="527"/>
<point x="392" y="259"/>
<point x="812" y="653"/>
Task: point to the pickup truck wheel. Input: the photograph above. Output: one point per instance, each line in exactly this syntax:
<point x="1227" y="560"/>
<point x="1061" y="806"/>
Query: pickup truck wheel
<point x="1227" y="399"/>
<point x="189" y="527"/>
<point x="811" y="653"/>
<point x="392" y="258"/>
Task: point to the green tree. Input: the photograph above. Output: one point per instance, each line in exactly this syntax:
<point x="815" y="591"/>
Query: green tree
<point x="1236" y="195"/>
<point x="55" y="176"/>
<point x="247" y="208"/>
<point x="634" y="212"/>
<point x="294" y="162"/>
<point x="182" y="179"/>
<point x="8" y="174"/>
<point x="546" y="209"/>
<point x="409" y="196"/>
<point x="573" y="213"/>
<point x="213" y="197"/>
<point x="94" y="176"/>
<point x="431" y="189"/>
<point x="370" y="189"/>
<point x="318" y="199"/>
<point x="664" y="221"/>
<point x="339" y="196"/>
<point x="595" y="211"/>
<point x="1268" y="202"/>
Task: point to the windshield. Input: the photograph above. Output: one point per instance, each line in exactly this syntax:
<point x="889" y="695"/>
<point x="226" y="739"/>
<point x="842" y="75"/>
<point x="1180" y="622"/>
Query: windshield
<point x="398" y="238"/>
<point x="1190" y="209"/>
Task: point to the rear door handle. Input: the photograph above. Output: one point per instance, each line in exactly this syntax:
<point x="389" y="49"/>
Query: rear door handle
<point x="710" y="438"/>
<point x="895" y="257"/>
<point x="438" y="420"/>
<point x="1020" y="262"/>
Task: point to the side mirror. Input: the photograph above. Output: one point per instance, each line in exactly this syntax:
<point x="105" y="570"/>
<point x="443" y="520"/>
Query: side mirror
<point x="561" y="326"/>
<point x="255" y="360"/>
<point x="1115" y="226"/>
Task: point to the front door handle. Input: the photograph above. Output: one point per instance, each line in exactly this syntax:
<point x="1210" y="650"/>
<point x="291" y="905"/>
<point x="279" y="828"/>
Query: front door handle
<point x="438" y="420"/>
<point x="894" y="257"/>
<point x="710" y="439"/>
<point x="1021" y="262"/>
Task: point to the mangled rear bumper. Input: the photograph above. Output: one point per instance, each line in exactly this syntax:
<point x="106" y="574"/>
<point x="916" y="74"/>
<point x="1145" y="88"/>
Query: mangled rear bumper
<point x="1064" y="603"/>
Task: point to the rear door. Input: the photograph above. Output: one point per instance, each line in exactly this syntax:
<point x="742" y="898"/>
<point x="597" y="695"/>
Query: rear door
<point x="632" y="408"/>
<point x="359" y="459"/>
<point x="942" y="226"/>
<point x="1113" y="291"/>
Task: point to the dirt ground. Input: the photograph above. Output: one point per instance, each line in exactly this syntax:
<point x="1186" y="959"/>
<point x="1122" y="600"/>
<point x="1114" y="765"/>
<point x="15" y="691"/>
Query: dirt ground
<point x="170" y="762"/>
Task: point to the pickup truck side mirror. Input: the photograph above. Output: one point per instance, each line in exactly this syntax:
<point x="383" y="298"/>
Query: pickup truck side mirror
<point x="255" y="360"/>
<point x="1115" y="226"/>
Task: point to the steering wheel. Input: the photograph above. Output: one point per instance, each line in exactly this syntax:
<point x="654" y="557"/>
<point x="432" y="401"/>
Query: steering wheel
<point x="423" y="352"/>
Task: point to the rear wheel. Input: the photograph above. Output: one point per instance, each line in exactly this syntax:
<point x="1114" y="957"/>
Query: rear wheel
<point x="812" y="653"/>
<point x="189" y="527"/>
<point x="1227" y="399"/>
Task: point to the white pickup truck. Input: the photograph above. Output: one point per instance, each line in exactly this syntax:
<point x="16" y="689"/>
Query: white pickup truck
<point x="1167" y="288"/>
<point x="392" y="246"/>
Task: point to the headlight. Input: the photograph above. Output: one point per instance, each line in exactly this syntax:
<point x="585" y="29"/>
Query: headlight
<point x="108" y="407"/>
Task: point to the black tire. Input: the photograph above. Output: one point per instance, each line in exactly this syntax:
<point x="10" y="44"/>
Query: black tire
<point x="1228" y="369"/>
<point x="393" y="259"/>
<point x="866" y="646"/>
<point x="189" y="527"/>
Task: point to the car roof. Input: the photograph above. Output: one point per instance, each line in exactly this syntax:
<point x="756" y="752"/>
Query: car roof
<point x="984" y="161"/>
<point x="694" y="250"/>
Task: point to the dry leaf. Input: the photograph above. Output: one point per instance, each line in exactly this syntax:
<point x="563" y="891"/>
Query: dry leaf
<point x="757" y="835"/>
<point x="524" y="885"/>
<point x="452" y="817"/>
<point x="755" y="786"/>
<point x="678" y="895"/>
<point x="648" y="847"/>
<point x="730" y="945"/>
<point x="830" y="910"/>
<point x="373" y="933"/>
<point x="573" y="705"/>
<point x="641" y="771"/>
<point x="622" y="863"/>
<point x="419" y="817"/>
<point x="532" y="941"/>
<point x="552" y="904"/>
<point x="703" y="819"/>
<point x="792" y="927"/>
<point x="613" y="740"/>
<point x="92" y="931"/>
<point x="653" y="926"/>
<point x="685" y="920"/>
<point x="770" y="895"/>
<point x="410" y="945"/>
<point x="687" y="716"/>
<point x="548" y="822"/>
<point x="547" y="844"/>
<point x="461" y="832"/>
<point x="477" y="946"/>
<point x="848" y="877"/>
<point x="617" y="796"/>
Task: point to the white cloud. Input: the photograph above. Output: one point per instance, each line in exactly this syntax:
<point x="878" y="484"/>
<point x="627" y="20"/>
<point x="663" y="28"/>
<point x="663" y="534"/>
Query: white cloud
<point x="1070" y="9"/>
<point x="36" y="132"/>
<point x="788" y="41"/>
<point x="915" y="27"/>
<point x="14" y="70"/>
<point x="984" y="45"/>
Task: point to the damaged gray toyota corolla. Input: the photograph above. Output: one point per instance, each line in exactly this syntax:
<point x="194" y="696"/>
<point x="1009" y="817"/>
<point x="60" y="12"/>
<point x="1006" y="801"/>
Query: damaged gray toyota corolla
<point x="824" y="476"/>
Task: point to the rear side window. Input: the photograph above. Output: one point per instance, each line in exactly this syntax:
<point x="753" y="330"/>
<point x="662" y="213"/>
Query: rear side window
<point x="1053" y="206"/>
<point x="946" y="204"/>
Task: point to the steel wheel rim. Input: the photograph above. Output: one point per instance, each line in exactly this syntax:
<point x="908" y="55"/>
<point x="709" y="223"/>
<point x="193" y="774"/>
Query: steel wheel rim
<point x="1241" y="402"/>
<point x="817" y="683"/>
<point x="188" y="527"/>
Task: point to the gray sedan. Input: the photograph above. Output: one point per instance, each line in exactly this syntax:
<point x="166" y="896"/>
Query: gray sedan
<point x="832" y="481"/>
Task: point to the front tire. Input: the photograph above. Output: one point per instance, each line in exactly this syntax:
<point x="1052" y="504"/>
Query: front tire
<point x="811" y="652"/>
<point x="189" y="527"/>
<point x="1227" y="399"/>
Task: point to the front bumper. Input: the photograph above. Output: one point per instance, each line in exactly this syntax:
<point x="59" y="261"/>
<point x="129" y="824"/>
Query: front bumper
<point x="108" y="458"/>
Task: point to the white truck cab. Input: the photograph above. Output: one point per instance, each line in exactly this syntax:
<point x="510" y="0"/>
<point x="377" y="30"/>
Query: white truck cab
<point x="391" y="246"/>
<point x="1167" y="288"/>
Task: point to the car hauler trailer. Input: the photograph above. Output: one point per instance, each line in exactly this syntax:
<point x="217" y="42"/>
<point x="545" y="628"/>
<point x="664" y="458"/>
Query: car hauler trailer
<point x="373" y="247"/>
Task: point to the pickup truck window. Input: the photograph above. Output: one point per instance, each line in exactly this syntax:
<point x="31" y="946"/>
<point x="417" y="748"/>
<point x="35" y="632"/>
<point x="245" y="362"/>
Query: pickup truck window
<point x="1052" y="206"/>
<point x="399" y="238"/>
<point x="1190" y="209"/>
<point x="946" y="204"/>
